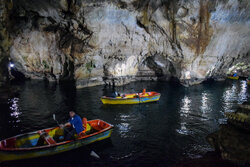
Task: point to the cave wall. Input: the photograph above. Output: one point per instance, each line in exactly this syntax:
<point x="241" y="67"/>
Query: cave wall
<point x="5" y="40"/>
<point x="119" y="41"/>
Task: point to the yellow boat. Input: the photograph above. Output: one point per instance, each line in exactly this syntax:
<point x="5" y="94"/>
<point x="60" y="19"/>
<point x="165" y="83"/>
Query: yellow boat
<point x="248" y="81"/>
<point x="47" y="141"/>
<point x="231" y="77"/>
<point x="134" y="98"/>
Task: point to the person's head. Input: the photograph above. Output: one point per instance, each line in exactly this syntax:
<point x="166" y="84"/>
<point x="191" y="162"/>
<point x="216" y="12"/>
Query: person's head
<point x="72" y="114"/>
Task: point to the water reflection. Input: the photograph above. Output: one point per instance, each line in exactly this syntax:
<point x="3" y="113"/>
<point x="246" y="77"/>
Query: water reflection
<point x="14" y="108"/>
<point x="243" y="92"/>
<point x="124" y="117"/>
<point x="183" y="129"/>
<point x="166" y="131"/>
<point x="186" y="101"/>
<point x="204" y="105"/>
<point x="235" y="93"/>
<point x="14" y="112"/>
<point x="123" y="129"/>
<point x="228" y="97"/>
<point x="184" y="111"/>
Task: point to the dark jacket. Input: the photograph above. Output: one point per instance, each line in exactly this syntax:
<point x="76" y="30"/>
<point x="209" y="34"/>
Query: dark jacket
<point x="76" y="123"/>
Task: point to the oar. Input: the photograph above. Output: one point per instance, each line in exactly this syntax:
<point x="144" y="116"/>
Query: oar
<point x="93" y="154"/>
<point x="54" y="117"/>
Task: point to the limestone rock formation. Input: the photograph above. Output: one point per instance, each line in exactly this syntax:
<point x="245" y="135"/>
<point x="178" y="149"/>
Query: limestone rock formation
<point x="118" y="41"/>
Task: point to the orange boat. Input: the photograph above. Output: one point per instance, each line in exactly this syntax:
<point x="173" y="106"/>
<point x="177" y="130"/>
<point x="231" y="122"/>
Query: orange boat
<point x="47" y="141"/>
<point x="134" y="98"/>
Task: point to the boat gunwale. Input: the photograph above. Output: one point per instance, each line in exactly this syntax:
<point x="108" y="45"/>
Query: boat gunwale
<point x="113" y="98"/>
<point x="57" y="144"/>
<point x="232" y="77"/>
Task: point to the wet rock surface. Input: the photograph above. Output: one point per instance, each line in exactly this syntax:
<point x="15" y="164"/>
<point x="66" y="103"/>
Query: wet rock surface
<point x="240" y="118"/>
<point x="209" y="159"/>
<point x="119" y="41"/>
<point x="5" y="40"/>
<point x="232" y="140"/>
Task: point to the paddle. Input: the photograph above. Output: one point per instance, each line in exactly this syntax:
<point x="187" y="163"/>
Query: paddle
<point x="54" y="117"/>
<point x="93" y="154"/>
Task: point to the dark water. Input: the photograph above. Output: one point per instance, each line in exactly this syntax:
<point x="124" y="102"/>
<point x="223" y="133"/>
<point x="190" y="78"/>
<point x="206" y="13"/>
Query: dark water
<point x="159" y="134"/>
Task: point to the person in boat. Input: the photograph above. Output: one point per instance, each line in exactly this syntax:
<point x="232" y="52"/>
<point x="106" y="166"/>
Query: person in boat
<point x="73" y="126"/>
<point x="115" y="94"/>
<point x="120" y="95"/>
<point x="235" y="75"/>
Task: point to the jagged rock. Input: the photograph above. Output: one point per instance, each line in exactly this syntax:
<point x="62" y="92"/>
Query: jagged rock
<point x="40" y="56"/>
<point x="232" y="140"/>
<point x="240" y="118"/>
<point x="64" y="5"/>
<point x="231" y="143"/>
<point x="5" y="40"/>
<point x="75" y="24"/>
<point x="189" y="40"/>
<point x="182" y="12"/>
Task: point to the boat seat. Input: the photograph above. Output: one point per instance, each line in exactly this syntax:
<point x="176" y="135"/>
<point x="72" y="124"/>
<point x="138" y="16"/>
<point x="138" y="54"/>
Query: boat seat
<point x="47" y="138"/>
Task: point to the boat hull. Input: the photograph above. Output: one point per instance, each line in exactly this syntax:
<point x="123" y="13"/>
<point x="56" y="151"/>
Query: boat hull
<point x="235" y="78"/>
<point x="131" y="100"/>
<point x="9" y="155"/>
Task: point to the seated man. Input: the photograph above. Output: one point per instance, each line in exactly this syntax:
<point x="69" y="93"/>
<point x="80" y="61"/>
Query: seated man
<point x="116" y="94"/>
<point x="74" y="126"/>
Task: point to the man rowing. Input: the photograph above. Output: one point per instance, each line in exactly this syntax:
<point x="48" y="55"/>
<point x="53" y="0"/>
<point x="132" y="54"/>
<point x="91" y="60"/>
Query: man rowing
<point x="73" y="126"/>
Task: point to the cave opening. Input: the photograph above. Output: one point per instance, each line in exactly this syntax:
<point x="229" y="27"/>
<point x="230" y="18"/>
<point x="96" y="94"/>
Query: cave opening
<point x="14" y="74"/>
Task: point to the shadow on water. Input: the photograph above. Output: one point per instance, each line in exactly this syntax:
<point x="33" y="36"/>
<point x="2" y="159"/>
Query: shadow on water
<point x="161" y="133"/>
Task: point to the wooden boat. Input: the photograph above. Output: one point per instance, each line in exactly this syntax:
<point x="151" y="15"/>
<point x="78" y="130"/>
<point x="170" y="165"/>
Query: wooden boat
<point x="47" y="141"/>
<point x="231" y="77"/>
<point x="134" y="98"/>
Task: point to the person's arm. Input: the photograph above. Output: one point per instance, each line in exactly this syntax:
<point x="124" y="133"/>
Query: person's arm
<point x="66" y="124"/>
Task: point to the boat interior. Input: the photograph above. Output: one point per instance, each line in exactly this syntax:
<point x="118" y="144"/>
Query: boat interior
<point x="136" y="95"/>
<point x="50" y="136"/>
